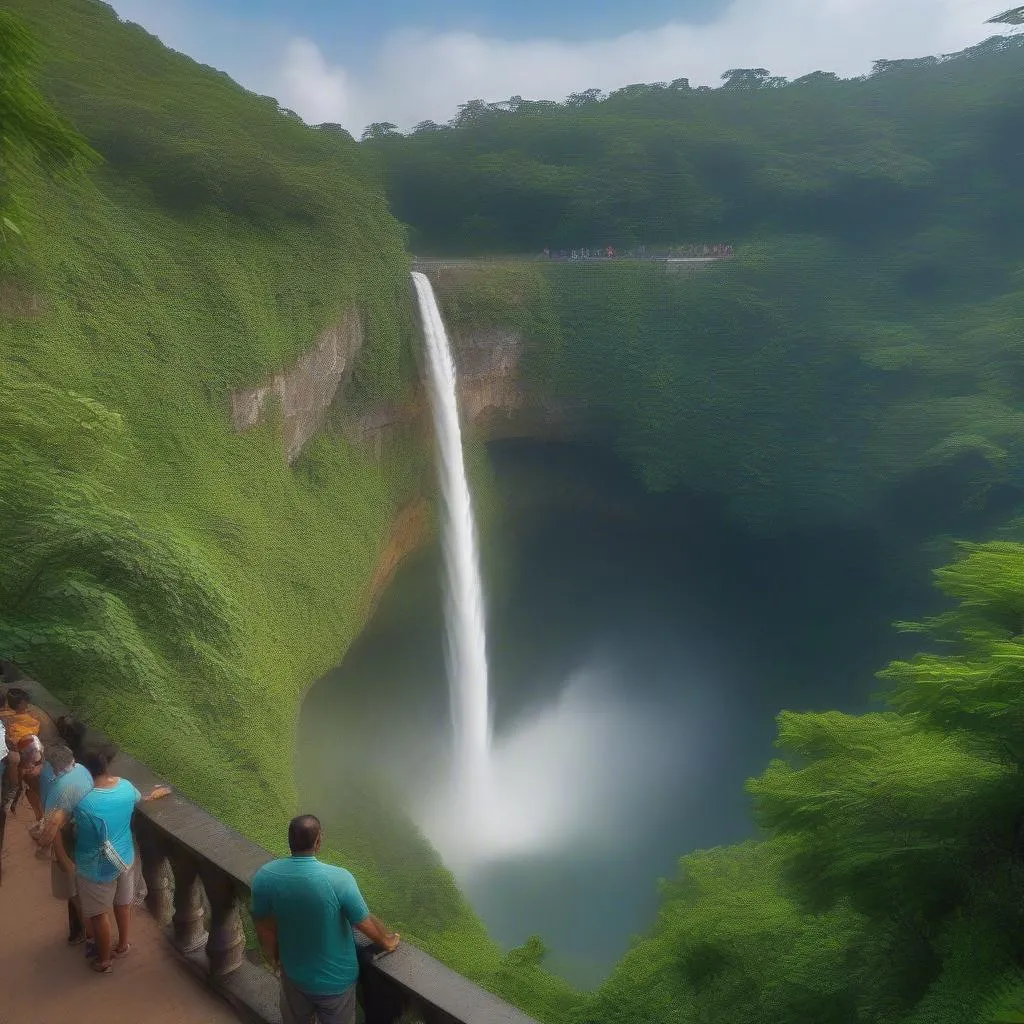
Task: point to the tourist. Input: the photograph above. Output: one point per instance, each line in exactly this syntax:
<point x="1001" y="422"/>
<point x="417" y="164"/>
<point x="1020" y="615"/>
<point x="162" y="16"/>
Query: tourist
<point x="72" y="732"/>
<point x="3" y="780"/>
<point x="105" y="855"/>
<point x="63" y="785"/>
<point x="304" y="911"/>
<point x="21" y="726"/>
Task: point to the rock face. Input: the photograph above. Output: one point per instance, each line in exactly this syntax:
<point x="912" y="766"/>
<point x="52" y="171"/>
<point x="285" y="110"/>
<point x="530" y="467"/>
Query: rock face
<point x="495" y="401"/>
<point x="410" y="529"/>
<point x="306" y="389"/>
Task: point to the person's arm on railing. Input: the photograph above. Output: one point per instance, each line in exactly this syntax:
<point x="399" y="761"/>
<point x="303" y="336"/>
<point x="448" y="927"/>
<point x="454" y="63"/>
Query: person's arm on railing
<point x="372" y="928"/>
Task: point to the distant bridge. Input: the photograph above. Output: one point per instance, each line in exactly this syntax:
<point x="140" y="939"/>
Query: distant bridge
<point x="672" y="262"/>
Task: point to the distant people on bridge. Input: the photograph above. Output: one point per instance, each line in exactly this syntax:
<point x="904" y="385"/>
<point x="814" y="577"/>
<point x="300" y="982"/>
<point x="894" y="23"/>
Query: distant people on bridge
<point x="105" y="856"/>
<point x="609" y="252"/>
<point x="304" y="911"/>
<point x="63" y="785"/>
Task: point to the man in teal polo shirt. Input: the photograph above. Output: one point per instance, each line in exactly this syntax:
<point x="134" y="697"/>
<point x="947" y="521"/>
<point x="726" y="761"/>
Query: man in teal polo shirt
<point x="304" y="912"/>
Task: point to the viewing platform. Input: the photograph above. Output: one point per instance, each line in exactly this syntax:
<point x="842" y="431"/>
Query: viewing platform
<point x="188" y="962"/>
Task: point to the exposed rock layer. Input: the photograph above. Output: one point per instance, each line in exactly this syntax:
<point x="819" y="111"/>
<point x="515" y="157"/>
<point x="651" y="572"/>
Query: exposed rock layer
<point x="306" y="389"/>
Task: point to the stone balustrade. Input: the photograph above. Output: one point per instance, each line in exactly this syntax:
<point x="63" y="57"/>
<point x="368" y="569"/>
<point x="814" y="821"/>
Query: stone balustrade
<point x="197" y="872"/>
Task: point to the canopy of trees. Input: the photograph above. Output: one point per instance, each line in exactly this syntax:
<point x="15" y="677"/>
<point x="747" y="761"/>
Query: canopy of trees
<point x="868" y="160"/>
<point x="888" y="887"/>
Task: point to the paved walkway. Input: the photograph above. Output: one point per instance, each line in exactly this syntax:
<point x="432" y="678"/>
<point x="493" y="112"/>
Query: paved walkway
<point x="45" y="981"/>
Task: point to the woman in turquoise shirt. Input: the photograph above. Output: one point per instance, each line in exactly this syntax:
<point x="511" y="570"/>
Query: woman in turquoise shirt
<point x="104" y="854"/>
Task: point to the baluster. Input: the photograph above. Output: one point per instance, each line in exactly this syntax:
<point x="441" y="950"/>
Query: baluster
<point x="380" y="999"/>
<point x="225" y="947"/>
<point x="189" y="933"/>
<point x="156" y="872"/>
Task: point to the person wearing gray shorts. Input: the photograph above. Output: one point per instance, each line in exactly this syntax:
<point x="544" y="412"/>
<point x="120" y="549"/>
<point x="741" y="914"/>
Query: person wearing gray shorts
<point x="102" y="897"/>
<point x="105" y="854"/>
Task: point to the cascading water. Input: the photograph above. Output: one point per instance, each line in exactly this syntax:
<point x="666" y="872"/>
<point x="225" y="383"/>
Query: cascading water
<point x="466" y="632"/>
<point x="533" y="789"/>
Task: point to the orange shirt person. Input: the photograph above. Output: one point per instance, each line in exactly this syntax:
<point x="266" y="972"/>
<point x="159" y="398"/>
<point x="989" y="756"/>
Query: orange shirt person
<point x="20" y="726"/>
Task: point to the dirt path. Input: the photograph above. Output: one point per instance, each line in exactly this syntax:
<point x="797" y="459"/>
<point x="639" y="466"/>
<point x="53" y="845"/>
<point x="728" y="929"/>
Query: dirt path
<point x="45" y="981"/>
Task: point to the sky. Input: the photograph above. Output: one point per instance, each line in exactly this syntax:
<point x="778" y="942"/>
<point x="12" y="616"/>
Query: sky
<point x="354" y="62"/>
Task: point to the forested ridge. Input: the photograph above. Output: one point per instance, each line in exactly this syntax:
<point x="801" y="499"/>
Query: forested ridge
<point x="859" y="360"/>
<point x="861" y="357"/>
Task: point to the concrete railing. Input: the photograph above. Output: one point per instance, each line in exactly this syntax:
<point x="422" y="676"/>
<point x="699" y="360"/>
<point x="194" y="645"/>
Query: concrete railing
<point x="198" y="872"/>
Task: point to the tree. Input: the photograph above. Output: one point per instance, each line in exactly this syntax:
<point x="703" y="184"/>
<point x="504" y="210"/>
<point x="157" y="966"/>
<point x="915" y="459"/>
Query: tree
<point x="818" y="78"/>
<point x="1014" y="16"/>
<point x="474" y="110"/>
<point x="380" y="130"/>
<point x="330" y="128"/>
<point x="745" y="78"/>
<point x="584" y="98"/>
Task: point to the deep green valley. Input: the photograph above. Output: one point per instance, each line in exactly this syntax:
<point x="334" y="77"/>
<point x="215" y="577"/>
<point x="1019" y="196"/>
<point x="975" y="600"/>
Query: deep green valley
<point x="775" y="508"/>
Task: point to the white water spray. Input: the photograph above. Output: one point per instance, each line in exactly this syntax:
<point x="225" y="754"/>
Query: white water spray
<point x="466" y="632"/>
<point x="538" y="787"/>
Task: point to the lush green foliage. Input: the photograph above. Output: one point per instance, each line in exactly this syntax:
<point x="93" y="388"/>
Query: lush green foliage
<point x="887" y="887"/>
<point x="183" y="584"/>
<point x="178" y="583"/>
<point x="868" y="160"/>
<point x="859" y="358"/>
<point x="32" y="131"/>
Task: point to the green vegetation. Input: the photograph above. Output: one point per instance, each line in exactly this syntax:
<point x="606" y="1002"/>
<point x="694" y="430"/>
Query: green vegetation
<point x="147" y="567"/>
<point x="860" y="358"/>
<point x="176" y="582"/>
<point x="888" y="889"/>
<point x="877" y="289"/>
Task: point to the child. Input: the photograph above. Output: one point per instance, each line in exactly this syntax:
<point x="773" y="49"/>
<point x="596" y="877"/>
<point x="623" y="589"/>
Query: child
<point x="20" y="726"/>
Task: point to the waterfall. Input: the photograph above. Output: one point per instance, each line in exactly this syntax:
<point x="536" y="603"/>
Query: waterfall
<point x="466" y="650"/>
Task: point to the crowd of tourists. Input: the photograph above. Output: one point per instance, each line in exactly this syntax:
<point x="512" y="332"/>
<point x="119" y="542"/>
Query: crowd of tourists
<point x="82" y="816"/>
<point x="304" y="910"/>
<point x="718" y="251"/>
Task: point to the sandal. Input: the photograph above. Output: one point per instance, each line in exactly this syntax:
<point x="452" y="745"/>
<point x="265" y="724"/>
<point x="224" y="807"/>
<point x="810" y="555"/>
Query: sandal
<point x="99" y="968"/>
<point x="123" y="952"/>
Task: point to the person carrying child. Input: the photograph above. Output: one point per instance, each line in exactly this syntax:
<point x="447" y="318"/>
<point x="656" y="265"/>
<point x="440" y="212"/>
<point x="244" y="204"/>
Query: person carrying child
<point x="22" y="737"/>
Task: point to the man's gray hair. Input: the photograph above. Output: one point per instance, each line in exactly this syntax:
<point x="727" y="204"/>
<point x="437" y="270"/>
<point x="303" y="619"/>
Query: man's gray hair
<point x="60" y="757"/>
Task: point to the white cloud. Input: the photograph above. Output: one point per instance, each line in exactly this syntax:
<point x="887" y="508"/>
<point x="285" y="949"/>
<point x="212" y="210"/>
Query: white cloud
<point x="419" y="75"/>
<point x="311" y="87"/>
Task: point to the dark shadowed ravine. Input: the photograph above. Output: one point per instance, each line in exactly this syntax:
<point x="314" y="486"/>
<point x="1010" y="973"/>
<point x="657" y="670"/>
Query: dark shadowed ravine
<point x="640" y="648"/>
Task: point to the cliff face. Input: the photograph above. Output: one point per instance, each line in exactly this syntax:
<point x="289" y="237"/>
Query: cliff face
<point x="493" y="399"/>
<point x="18" y="302"/>
<point x="410" y="530"/>
<point x="306" y="389"/>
